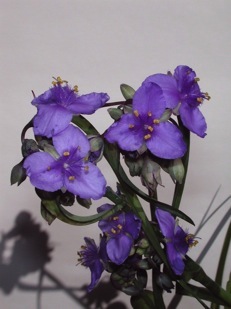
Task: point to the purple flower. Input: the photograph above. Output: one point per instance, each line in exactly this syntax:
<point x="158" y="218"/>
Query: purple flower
<point x="69" y="168"/>
<point x="145" y="126"/>
<point x="57" y="105"/>
<point x="121" y="229"/>
<point x="177" y="240"/>
<point x="183" y="94"/>
<point x="93" y="257"/>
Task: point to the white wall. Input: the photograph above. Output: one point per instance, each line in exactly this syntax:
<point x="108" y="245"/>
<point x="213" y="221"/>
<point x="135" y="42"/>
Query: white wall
<point x="100" y="44"/>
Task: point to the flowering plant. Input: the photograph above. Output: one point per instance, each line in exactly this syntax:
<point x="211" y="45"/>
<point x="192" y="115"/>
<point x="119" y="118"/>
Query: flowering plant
<point x="151" y="131"/>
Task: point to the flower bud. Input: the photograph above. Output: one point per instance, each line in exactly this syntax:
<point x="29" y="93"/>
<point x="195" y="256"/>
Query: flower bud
<point x="115" y="113"/>
<point x="97" y="147"/>
<point x="176" y="170"/>
<point x="134" y="165"/>
<point x="164" y="282"/>
<point x="127" y="91"/>
<point x="84" y="202"/>
<point x="29" y="146"/>
<point x="18" y="174"/>
<point x="150" y="174"/>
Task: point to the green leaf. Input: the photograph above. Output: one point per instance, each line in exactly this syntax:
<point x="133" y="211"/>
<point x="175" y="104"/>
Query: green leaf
<point x="144" y="300"/>
<point x="47" y="216"/>
<point x="62" y="214"/>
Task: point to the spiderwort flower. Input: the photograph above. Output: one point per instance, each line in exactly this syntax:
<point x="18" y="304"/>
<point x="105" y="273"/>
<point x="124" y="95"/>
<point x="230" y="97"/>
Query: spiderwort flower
<point x="177" y="240"/>
<point x="144" y="126"/>
<point x="57" y="105"/>
<point x="93" y="257"/>
<point x="183" y="95"/>
<point x="69" y="169"/>
<point x="121" y="230"/>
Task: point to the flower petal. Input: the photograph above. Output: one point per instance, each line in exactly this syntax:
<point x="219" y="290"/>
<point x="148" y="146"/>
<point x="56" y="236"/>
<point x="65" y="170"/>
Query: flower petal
<point x="193" y="119"/>
<point x="118" y="248"/>
<point x="71" y="139"/>
<point x="129" y="139"/>
<point x="88" y="103"/>
<point x="132" y="225"/>
<point x="166" y="223"/>
<point x="51" y="119"/>
<point x="43" y="171"/>
<point x="169" y="87"/>
<point x="175" y="259"/>
<point x="166" y="141"/>
<point x="149" y="98"/>
<point x="88" y="183"/>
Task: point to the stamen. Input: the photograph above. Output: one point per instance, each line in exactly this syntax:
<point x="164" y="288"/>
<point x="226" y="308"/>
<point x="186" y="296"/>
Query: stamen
<point x="76" y="88"/>
<point x="190" y="240"/>
<point x="66" y="153"/>
<point x="58" y="81"/>
<point x="71" y="178"/>
<point x="200" y="100"/>
<point x="86" y="168"/>
<point x="147" y="136"/>
<point x="150" y="128"/>
<point x="136" y="113"/>
<point x="115" y="218"/>
<point x="196" y="79"/>
<point x="119" y="226"/>
<point x="207" y="96"/>
<point x="113" y="231"/>
<point x="156" y="121"/>
<point x="131" y="126"/>
<point x="149" y="114"/>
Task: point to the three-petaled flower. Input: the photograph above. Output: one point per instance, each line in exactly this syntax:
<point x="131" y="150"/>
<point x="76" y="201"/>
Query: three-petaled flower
<point x="57" y="105"/>
<point x="93" y="257"/>
<point x="177" y="240"/>
<point x="69" y="169"/>
<point x="183" y="95"/>
<point x="121" y="231"/>
<point x="146" y="125"/>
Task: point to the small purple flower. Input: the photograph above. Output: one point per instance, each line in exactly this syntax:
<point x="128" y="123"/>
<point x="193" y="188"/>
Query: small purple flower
<point x="121" y="230"/>
<point x="183" y="94"/>
<point x="145" y="126"/>
<point x="57" y="105"/>
<point x="177" y="240"/>
<point x="69" y="169"/>
<point x="93" y="257"/>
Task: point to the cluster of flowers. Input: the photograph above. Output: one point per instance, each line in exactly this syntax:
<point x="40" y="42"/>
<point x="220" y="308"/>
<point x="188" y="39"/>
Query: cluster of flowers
<point x="64" y="161"/>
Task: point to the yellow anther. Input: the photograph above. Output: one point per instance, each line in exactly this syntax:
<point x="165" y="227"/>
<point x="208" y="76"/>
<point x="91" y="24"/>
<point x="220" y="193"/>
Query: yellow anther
<point x="136" y="113"/>
<point x="119" y="226"/>
<point x="71" y="178"/>
<point x="115" y="218"/>
<point x="196" y="79"/>
<point x="207" y="96"/>
<point x="156" y="121"/>
<point x="113" y="231"/>
<point x="131" y="126"/>
<point x="149" y="114"/>
<point x="150" y="128"/>
<point x="200" y="100"/>
<point x="66" y="153"/>
<point x="76" y="88"/>
<point x="58" y="81"/>
<point x="189" y="241"/>
<point x="147" y="136"/>
<point x="86" y="168"/>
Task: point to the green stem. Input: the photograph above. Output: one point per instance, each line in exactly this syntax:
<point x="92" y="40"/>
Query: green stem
<point x="221" y="264"/>
<point x="179" y="188"/>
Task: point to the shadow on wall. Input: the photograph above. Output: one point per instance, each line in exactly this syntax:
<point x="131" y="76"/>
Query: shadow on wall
<point x="30" y="252"/>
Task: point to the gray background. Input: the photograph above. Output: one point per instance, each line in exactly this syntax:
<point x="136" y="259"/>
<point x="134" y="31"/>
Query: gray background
<point x="99" y="45"/>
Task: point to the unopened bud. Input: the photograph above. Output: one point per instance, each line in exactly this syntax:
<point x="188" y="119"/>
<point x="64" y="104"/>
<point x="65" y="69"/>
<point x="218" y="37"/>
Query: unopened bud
<point x="134" y="165"/>
<point x="127" y="91"/>
<point x="150" y="174"/>
<point x="176" y="170"/>
<point x="18" y="174"/>
<point x="85" y="202"/>
<point x="97" y="147"/>
<point x="164" y="282"/>
<point x="29" y="146"/>
<point x="115" y="113"/>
